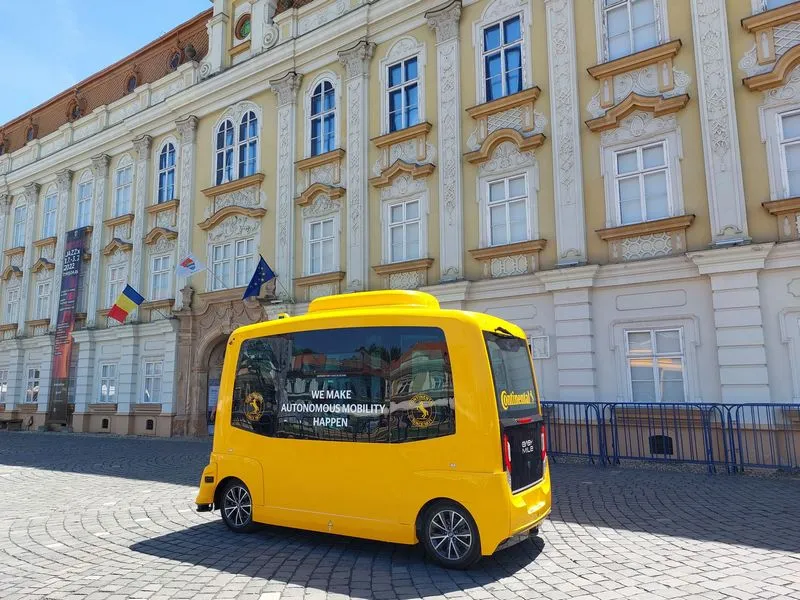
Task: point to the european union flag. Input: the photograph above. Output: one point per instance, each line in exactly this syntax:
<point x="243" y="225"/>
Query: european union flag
<point x="262" y="275"/>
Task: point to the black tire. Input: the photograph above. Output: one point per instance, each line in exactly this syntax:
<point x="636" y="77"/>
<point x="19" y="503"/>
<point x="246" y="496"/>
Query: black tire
<point x="236" y="507"/>
<point x="450" y="536"/>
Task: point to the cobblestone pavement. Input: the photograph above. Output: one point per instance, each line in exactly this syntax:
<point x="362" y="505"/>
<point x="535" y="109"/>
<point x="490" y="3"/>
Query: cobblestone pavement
<point x="97" y="517"/>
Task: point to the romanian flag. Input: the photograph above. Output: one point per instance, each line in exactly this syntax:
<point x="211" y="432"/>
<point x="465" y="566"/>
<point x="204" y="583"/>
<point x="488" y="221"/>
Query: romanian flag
<point x="128" y="300"/>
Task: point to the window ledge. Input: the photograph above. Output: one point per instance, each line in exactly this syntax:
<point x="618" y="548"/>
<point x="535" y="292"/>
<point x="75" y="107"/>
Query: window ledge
<point x="772" y="18"/>
<point x="154" y="209"/>
<point x="403" y="135"/>
<point x="232" y="186"/>
<point x="146" y="408"/>
<point x="38" y="323"/>
<point x="165" y="304"/>
<point x="239" y="49"/>
<point x="126" y="219"/>
<point x="645" y="58"/>
<point x="482" y="111"/>
<point x="102" y="407"/>
<point x="646" y="228"/>
<point x="8" y="327"/>
<point x="225" y="295"/>
<point x="309" y="280"/>
<point x="529" y="247"/>
<point x="44" y="242"/>
<point x="782" y="207"/>
<point x="224" y="213"/>
<point x="117" y="244"/>
<point x="28" y="407"/>
<point x="420" y="264"/>
<point x="320" y="159"/>
<point x="16" y="251"/>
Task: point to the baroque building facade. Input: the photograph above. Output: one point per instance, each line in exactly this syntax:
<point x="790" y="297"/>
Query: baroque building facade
<point x="621" y="178"/>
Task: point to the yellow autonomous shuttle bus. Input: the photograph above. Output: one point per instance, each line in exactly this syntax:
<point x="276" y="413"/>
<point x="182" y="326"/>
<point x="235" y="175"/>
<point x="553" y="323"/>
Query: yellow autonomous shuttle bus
<point x="379" y="415"/>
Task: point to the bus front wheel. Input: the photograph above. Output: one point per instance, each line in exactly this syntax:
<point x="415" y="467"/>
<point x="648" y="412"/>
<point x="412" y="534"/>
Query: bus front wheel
<point x="237" y="507"/>
<point x="450" y="536"/>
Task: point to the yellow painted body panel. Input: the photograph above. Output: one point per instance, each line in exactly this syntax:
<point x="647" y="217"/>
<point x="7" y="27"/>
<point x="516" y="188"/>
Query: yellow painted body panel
<point x="376" y="490"/>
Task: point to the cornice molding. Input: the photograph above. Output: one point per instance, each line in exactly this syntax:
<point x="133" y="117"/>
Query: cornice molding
<point x="320" y="159"/>
<point x="777" y="77"/>
<point x="528" y="96"/>
<point x="638" y="60"/>
<point x="224" y="213"/>
<point x="772" y="18"/>
<point x="44" y="242"/>
<point x="332" y="277"/>
<point x="126" y="219"/>
<point x="314" y="190"/>
<point x="494" y="139"/>
<point x="647" y="228"/>
<point x="749" y="257"/>
<point x="232" y="186"/>
<point x="402" y="135"/>
<point x="154" y="209"/>
<point x="16" y="251"/>
<point x="529" y="247"/>
<point x="781" y="207"/>
<point x="658" y="105"/>
<point x="420" y="264"/>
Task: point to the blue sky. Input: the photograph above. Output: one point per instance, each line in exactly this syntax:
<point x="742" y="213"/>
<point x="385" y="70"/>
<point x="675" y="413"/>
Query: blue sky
<point x="64" y="41"/>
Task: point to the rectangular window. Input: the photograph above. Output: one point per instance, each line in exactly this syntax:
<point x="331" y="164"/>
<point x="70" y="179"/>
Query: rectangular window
<point x="116" y="283"/>
<point x="3" y="386"/>
<point x="108" y="383"/>
<point x="43" y="300"/>
<point x="360" y="384"/>
<point x="508" y="210"/>
<point x="49" y="220"/>
<point x="152" y="381"/>
<point x="642" y="184"/>
<point x="502" y="58"/>
<point x="630" y="26"/>
<point x="244" y="261"/>
<point x="321" y="247"/>
<point x="122" y="191"/>
<point x="655" y="365"/>
<point x="512" y="373"/>
<point x="12" y="305"/>
<point x="20" y="214"/>
<point x="404" y="231"/>
<point x="83" y="210"/>
<point x="32" y="387"/>
<point x="403" y="93"/>
<point x="160" y="277"/>
<point x="790" y="153"/>
<point x="232" y="264"/>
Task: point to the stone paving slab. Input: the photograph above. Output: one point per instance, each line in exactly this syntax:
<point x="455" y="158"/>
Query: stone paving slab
<point x="96" y="517"/>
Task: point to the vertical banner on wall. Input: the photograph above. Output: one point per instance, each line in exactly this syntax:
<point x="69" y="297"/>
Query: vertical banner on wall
<point x="57" y="402"/>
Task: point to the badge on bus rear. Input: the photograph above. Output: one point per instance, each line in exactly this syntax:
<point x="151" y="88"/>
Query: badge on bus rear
<point x="422" y="410"/>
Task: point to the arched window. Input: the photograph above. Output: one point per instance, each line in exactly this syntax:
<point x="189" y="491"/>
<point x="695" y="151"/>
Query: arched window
<point x="166" y="173"/>
<point x="225" y="145"/>
<point x="248" y="144"/>
<point x="323" y="119"/>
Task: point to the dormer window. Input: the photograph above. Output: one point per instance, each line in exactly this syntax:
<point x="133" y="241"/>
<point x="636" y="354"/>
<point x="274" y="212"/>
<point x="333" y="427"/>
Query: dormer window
<point x="242" y="30"/>
<point x="131" y="84"/>
<point x="30" y="134"/>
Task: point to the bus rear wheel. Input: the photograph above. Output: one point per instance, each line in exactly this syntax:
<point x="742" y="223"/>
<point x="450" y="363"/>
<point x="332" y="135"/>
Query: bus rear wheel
<point x="236" y="507"/>
<point x="450" y="536"/>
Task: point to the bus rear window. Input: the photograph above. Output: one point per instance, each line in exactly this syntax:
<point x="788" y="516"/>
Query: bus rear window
<point x="512" y="373"/>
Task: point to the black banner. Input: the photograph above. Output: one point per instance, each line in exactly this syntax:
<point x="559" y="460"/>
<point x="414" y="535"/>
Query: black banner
<point x="58" y="401"/>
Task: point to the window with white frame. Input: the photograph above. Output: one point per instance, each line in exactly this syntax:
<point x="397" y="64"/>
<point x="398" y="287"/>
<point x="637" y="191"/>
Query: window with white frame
<point x="405" y="228"/>
<point x="152" y="381"/>
<point x="642" y="183"/>
<point x="12" y="305"/>
<point x="248" y="144"/>
<point x="43" y="299"/>
<point x="108" y="383"/>
<point x="323" y="119"/>
<point x="83" y="208"/>
<point x="116" y="283"/>
<point x="502" y="58"/>
<point x="20" y="214"/>
<point x="232" y="263"/>
<point x="790" y="152"/>
<point x="630" y="26"/>
<point x="160" y="280"/>
<point x="32" y="386"/>
<point x="656" y="365"/>
<point x="321" y="246"/>
<point x="123" y="185"/>
<point x="49" y="219"/>
<point x="403" y="93"/>
<point x="508" y="210"/>
<point x="3" y="386"/>
<point x="166" y="173"/>
<point x="224" y="152"/>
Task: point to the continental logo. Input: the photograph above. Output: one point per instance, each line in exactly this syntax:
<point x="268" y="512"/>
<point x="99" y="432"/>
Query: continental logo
<point x="512" y="399"/>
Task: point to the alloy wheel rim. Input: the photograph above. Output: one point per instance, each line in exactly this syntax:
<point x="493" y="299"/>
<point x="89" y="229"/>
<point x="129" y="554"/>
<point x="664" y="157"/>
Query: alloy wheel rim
<point x="450" y="535"/>
<point x="237" y="506"/>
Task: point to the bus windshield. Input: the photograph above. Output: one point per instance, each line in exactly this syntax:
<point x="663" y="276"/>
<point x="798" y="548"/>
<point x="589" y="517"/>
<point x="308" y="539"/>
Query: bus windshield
<point x="515" y="390"/>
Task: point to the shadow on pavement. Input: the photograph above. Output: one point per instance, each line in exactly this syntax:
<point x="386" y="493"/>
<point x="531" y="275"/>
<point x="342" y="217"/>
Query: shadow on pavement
<point x="335" y="564"/>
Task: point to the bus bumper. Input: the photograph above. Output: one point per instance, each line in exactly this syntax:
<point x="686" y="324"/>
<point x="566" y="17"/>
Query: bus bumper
<point x="208" y="485"/>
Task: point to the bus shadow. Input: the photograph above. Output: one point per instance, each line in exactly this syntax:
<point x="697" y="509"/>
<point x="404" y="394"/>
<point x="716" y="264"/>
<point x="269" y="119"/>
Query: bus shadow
<point x="334" y="564"/>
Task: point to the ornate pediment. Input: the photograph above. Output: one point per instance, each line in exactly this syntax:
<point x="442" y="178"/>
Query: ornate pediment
<point x="157" y="233"/>
<point x="229" y="211"/>
<point x="41" y="264"/>
<point x="316" y="189"/>
<point x="493" y="140"/>
<point x="116" y="245"/>
<point x="658" y="105"/>
<point x="10" y="271"/>
<point x="400" y="167"/>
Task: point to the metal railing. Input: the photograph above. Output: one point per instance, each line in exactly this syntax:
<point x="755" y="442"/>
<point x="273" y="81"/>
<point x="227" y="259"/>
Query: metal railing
<point x="730" y="437"/>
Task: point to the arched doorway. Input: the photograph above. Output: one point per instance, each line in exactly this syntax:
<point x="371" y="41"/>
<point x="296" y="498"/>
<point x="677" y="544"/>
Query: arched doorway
<point x="214" y="370"/>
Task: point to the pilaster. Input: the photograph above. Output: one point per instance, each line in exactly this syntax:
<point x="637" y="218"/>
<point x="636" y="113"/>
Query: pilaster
<point x="574" y="332"/>
<point x="142" y="145"/>
<point x="64" y="185"/>
<point x="100" y="171"/>
<point x="356" y="61"/>
<point x="217" y="28"/>
<point x="738" y="319"/>
<point x="445" y="22"/>
<point x="285" y="88"/>
<point x="264" y="34"/>
<point x="723" y="165"/>
<point x="85" y="393"/>
<point x="5" y="206"/>
<point x="16" y="364"/>
<point x="567" y="167"/>
<point x="127" y="375"/>
<point x="187" y="130"/>
<point x="31" y="201"/>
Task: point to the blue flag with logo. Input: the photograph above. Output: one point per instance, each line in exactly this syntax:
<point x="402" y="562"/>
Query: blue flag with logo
<point x="262" y="275"/>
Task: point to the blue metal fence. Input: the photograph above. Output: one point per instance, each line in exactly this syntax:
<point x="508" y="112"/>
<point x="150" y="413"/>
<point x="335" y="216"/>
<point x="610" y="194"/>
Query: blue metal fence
<point x="729" y="437"/>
